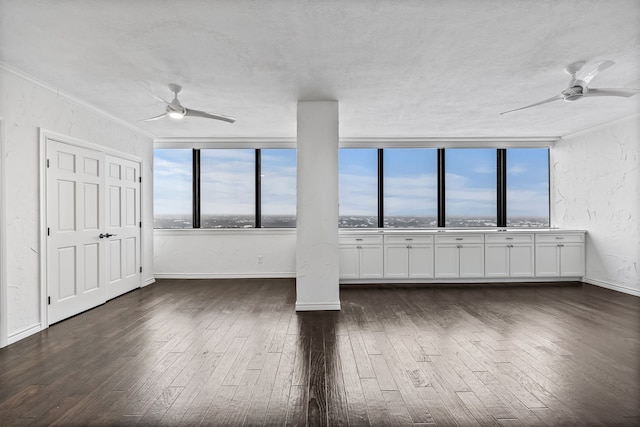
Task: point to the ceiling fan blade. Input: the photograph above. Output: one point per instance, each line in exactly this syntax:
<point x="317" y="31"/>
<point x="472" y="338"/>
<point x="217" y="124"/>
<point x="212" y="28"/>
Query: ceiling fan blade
<point x="160" y="99"/>
<point x="553" y="98"/>
<point x="198" y="113"/>
<point x="626" y="93"/>
<point x="154" y="118"/>
<point x="602" y="65"/>
<point x="147" y="86"/>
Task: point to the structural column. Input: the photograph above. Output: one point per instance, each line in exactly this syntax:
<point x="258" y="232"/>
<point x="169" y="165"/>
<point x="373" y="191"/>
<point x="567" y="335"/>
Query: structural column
<point x="317" y="261"/>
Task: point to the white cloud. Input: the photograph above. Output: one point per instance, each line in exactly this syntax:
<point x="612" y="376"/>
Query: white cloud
<point x="358" y="194"/>
<point x="484" y="169"/>
<point x="516" y="170"/>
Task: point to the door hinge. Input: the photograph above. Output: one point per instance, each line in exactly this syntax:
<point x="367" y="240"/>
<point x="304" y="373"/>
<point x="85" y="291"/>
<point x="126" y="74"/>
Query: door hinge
<point x="140" y="269"/>
<point x="47" y="162"/>
<point x="48" y="231"/>
<point x="140" y="224"/>
<point x="139" y="179"/>
<point x="49" y="300"/>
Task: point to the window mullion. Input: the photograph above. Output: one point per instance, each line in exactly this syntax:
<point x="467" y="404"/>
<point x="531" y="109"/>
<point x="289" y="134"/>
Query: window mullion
<point x="501" y="187"/>
<point x="380" y="188"/>
<point x="196" y="188"/>
<point x="441" y="188"/>
<point x="258" y="189"/>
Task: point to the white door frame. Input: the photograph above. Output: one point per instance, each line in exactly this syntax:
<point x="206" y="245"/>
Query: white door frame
<point x="4" y="317"/>
<point x="46" y="135"/>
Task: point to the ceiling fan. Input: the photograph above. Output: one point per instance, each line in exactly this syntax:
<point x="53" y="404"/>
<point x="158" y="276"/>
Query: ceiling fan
<point x="177" y="111"/>
<point x="579" y="84"/>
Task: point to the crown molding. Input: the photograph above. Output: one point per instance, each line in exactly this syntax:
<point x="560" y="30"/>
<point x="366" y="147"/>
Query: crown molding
<point x="62" y="94"/>
<point x="449" y="142"/>
<point x="600" y="126"/>
<point x="363" y="142"/>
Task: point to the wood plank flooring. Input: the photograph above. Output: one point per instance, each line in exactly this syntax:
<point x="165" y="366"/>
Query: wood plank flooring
<point x="234" y="352"/>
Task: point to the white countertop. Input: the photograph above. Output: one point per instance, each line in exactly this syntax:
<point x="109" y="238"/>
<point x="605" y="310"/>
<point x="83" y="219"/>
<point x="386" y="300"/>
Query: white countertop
<point x="455" y="230"/>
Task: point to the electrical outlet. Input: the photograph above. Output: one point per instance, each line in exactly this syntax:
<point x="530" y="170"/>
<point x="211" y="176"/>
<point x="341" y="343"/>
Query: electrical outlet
<point x="260" y="259"/>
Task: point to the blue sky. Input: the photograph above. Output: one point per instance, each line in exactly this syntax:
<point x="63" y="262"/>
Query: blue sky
<point x="410" y="182"/>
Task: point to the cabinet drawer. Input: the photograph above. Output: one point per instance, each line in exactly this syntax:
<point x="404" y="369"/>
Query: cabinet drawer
<point x="460" y="238"/>
<point x="508" y="238"/>
<point x="360" y="240"/>
<point x="408" y="239"/>
<point x="560" y="238"/>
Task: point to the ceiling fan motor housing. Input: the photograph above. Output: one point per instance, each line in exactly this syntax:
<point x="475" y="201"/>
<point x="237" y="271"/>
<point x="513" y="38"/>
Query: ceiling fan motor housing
<point x="574" y="93"/>
<point x="175" y="110"/>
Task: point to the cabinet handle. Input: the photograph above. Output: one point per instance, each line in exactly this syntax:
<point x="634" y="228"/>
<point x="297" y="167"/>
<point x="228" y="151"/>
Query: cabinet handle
<point x="559" y="238"/>
<point x="509" y="238"/>
<point x="358" y="247"/>
<point x="458" y="246"/>
<point x="358" y="240"/>
<point x="408" y="240"/>
<point x="459" y="238"/>
<point x="408" y="246"/>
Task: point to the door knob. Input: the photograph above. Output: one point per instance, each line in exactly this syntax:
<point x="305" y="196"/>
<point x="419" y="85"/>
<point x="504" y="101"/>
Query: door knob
<point x="102" y="236"/>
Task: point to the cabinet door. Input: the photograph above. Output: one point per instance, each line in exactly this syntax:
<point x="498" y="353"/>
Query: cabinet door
<point x="521" y="260"/>
<point x="371" y="261"/>
<point x="547" y="260"/>
<point x="421" y="261"/>
<point x="447" y="261"/>
<point x="396" y="261"/>
<point x="349" y="262"/>
<point x="572" y="259"/>
<point x="496" y="262"/>
<point x="472" y="260"/>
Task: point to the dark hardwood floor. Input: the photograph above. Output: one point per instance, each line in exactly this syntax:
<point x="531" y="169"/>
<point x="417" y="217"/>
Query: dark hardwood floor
<point x="234" y="352"/>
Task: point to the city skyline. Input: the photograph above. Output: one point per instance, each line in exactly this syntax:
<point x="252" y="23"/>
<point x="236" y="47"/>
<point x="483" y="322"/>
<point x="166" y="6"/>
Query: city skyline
<point x="288" y="221"/>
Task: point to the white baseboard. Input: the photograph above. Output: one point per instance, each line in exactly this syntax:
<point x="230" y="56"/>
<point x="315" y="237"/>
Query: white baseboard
<point x="612" y="286"/>
<point x="149" y="281"/>
<point x="439" y="281"/>
<point x="275" y="275"/>
<point x="319" y="306"/>
<point x="17" y="336"/>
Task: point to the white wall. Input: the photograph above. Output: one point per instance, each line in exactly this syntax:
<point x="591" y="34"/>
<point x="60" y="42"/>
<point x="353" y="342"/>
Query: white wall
<point x="27" y="106"/>
<point x="595" y="186"/>
<point x="225" y="253"/>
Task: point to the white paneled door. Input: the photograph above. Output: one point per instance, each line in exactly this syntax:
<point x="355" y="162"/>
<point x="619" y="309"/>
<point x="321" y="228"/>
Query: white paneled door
<point x="123" y="226"/>
<point x="90" y="254"/>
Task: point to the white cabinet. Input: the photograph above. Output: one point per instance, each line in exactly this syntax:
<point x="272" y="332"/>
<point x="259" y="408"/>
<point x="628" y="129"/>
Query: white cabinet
<point x="459" y="256"/>
<point x="361" y="257"/>
<point x="560" y="255"/>
<point x="509" y="255"/>
<point x="408" y="257"/>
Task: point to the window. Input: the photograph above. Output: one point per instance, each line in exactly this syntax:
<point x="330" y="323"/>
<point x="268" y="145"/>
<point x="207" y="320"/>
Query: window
<point x="410" y="187"/>
<point x="172" y="188"/>
<point x="527" y="187"/>
<point x="232" y="188"/>
<point x="227" y="188"/>
<point x="358" y="185"/>
<point x="391" y="187"/>
<point x="278" y="179"/>
<point x="470" y="187"/>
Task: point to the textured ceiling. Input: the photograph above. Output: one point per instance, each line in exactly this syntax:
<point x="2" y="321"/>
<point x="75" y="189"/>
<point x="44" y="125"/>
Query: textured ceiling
<point x="399" y="68"/>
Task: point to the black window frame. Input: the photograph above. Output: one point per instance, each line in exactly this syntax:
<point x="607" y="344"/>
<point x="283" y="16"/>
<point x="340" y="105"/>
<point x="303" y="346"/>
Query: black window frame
<point x="501" y="187"/>
<point x="196" y="193"/>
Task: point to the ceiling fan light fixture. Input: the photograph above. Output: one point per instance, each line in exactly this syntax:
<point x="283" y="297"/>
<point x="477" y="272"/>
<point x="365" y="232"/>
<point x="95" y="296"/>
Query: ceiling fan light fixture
<point x="176" y="115"/>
